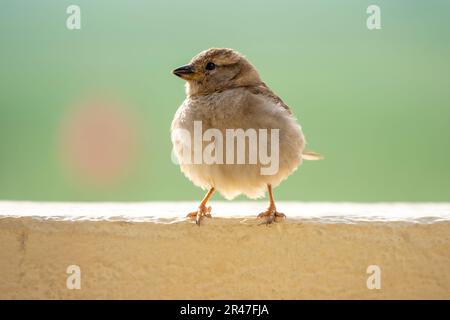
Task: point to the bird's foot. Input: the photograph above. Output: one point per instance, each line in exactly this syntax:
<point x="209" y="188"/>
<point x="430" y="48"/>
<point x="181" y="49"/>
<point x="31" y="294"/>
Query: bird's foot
<point x="203" y="211"/>
<point x="271" y="215"/>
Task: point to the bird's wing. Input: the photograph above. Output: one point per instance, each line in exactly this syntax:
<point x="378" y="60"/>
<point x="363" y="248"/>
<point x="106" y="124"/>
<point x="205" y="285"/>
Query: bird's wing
<point x="265" y="91"/>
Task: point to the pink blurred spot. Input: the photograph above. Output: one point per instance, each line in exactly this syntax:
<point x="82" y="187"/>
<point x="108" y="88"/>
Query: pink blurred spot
<point x="98" y="141"/>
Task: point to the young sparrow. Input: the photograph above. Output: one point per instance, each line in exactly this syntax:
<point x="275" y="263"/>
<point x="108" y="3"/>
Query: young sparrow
<point x="224" y="91"/>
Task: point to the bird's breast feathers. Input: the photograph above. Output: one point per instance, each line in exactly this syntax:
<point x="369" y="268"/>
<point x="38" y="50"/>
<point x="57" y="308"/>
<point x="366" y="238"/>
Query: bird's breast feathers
<point x="238" y="109"/>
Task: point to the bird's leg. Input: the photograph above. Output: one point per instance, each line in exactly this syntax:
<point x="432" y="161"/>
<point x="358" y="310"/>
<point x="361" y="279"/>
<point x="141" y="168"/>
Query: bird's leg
<point x="203" y="210"/>
<point x="271" y="214"/>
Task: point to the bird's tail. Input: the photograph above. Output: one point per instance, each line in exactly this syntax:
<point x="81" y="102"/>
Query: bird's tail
<point x="311" y="155"/>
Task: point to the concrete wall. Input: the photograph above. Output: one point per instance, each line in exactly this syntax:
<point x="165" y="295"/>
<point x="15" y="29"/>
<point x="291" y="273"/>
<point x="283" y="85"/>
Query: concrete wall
<point x="321" y="257"/>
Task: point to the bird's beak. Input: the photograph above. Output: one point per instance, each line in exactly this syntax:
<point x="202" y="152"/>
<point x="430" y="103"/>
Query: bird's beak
<point x="185" y="72"/>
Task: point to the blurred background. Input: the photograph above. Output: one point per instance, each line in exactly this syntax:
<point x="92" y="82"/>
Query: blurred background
<point x="85" y="114"/>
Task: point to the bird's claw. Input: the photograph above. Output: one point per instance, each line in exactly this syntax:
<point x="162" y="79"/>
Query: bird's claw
<point x="198" y="215"/>
<point x="271" y="215"/>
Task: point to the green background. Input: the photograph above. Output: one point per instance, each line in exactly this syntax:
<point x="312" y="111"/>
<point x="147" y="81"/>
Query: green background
<point x="375" y="103"/>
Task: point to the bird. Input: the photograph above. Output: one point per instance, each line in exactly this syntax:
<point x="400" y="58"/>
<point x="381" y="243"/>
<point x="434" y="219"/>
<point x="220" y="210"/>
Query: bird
<point x="224" y="91"/>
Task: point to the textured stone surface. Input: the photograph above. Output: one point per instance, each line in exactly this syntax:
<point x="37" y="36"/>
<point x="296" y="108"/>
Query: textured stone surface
<point x="323" y="254"/>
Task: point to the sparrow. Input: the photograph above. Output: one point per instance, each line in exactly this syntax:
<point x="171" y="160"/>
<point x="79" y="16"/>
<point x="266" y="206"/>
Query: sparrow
<point x="224" y="91"/>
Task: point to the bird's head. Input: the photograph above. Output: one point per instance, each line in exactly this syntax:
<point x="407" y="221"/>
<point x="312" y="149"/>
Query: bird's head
<point x="215" y="70"/>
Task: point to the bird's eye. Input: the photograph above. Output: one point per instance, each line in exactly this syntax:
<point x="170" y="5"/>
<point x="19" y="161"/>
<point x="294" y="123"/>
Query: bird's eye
<point x="210" y="66"/>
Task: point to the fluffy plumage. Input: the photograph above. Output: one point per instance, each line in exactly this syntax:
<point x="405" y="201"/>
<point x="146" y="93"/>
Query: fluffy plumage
<point x="224" y="91"/>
